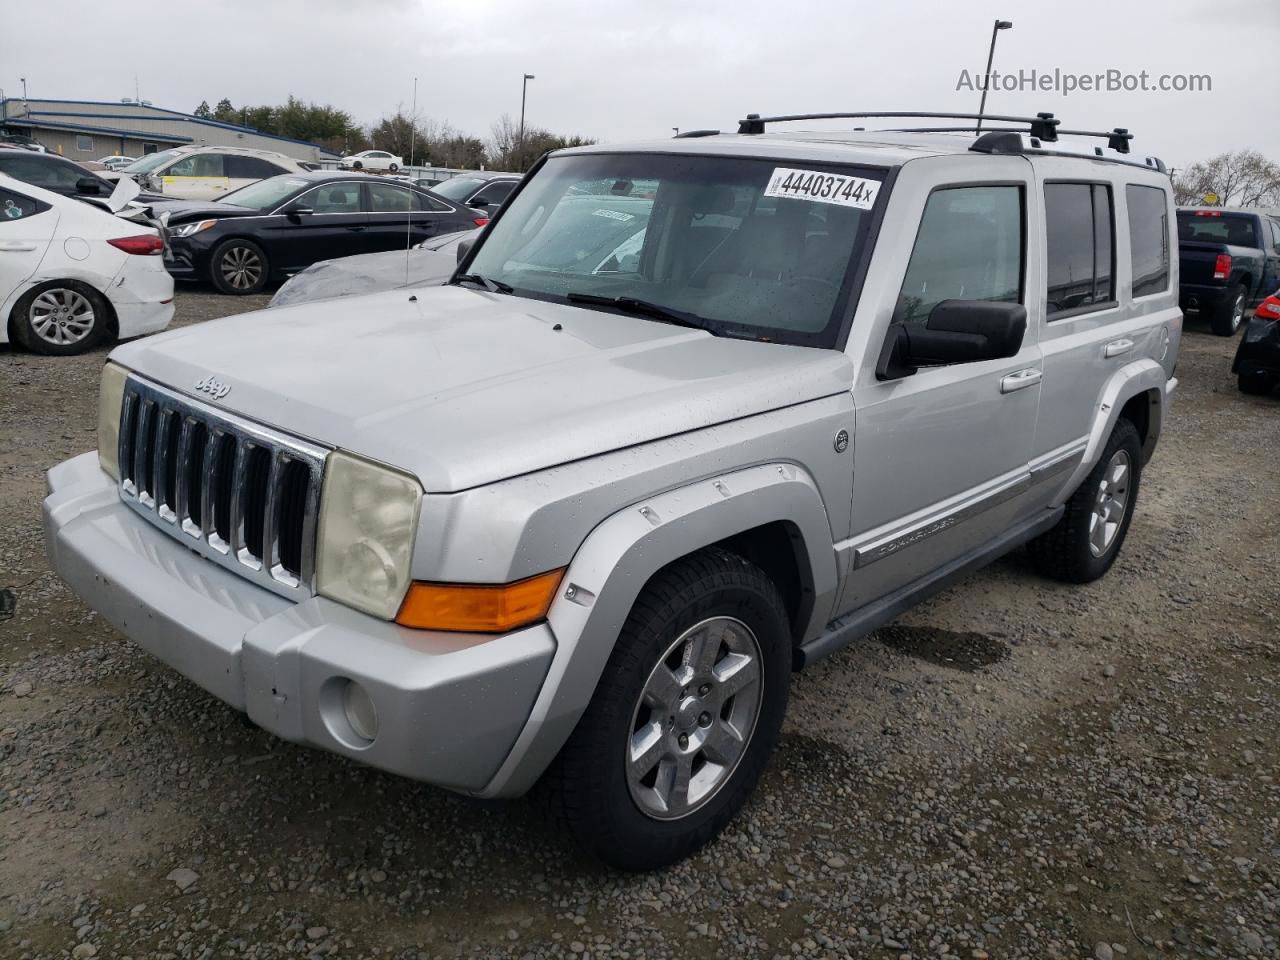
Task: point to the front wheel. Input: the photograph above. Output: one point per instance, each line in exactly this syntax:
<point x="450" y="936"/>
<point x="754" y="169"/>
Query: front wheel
<point x="238" y="267"/>
<point x="1230" y="314"/>
<point x="394" y="167"/>
<point x="684" y="717"/>
<point x="1084" y="542"/>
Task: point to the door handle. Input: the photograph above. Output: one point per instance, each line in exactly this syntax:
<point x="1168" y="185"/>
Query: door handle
<point x="1020" y="380"/>
<point x="17" y="246"/>
<point x="1117" y="347"/>
<point x="355" y="229"/>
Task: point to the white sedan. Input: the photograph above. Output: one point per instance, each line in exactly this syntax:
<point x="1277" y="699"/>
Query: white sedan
<point x="116" y="161"/>
<point x="73" y="274"/>
<point x="371" y="160"/>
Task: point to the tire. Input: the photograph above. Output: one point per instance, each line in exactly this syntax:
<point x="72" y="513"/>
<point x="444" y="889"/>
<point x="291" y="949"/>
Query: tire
<point x="1082" y="545"/>
<point x="632" y="814"/>
<point x="61" y="318"/>
<point x="238" y="267"/>
<point x="1256" y="384"/>
<point x="1230" y="313"/>
<point x="357" y="165"/>
<point x="393" y="168"/>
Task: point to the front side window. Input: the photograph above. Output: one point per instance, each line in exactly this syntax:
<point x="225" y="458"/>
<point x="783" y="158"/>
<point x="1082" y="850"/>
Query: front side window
<point x="969" y="247"/>
<point x="1148" y="238"/>
<point x="458" y="188"/>
<point x="759" y="249"/>
<point x="495" y="193"/>
<point x="332" y="198"/>
<point x="265" y="194"/>
<point x="152" y="160"/>
<point x="41" y="170"/>
<point x="198" y="165"/>
<point x="1080" y="239"/>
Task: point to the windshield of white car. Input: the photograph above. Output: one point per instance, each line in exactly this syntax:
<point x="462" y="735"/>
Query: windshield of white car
<point x="151" y="161"/>
<point x="265" y="194"/>
<point x="758" y="249"/>
<point x="458" y="188"/>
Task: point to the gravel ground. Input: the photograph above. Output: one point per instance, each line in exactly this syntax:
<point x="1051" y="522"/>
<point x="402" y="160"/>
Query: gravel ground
<point x="1015" y="769"/>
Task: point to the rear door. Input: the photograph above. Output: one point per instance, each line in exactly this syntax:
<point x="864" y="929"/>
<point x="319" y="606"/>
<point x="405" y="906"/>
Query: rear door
<point x="27" y="226"/>
<point x="940" y="464"/>
<point x="242" y="171"/>
<point x="401" y="218"/>
<point x="199" y="176"/>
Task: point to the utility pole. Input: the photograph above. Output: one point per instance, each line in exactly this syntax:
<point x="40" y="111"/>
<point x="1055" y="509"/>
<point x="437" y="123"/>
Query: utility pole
<point x="995" y="30"/>
<point x="524" y="89"/>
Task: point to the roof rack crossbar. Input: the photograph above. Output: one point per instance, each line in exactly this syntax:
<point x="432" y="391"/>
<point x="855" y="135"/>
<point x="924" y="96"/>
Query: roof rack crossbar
<point x="1042" y="125"/>
<point x="1117" y="139"/>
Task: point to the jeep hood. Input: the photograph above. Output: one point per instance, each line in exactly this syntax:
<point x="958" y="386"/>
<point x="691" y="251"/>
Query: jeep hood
<point x="463" y="387"/>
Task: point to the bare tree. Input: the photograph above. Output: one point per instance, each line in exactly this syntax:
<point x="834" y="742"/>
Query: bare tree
<point x="1244" y="178"/>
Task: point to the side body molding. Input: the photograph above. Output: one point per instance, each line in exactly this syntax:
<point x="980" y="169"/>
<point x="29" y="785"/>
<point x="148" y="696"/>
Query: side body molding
<point x="618" y="558"/>
<point x="1141" y="376"/>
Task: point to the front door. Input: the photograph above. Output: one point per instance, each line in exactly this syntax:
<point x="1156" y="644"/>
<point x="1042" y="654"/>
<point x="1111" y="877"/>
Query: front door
<point x="200" y="176"/>
<point x="941" y="456"/>
<point x="324" y="223"/>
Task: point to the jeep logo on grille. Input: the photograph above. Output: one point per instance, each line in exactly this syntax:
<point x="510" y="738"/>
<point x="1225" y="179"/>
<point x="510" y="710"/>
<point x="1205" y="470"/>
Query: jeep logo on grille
<point x="213" y="387"/>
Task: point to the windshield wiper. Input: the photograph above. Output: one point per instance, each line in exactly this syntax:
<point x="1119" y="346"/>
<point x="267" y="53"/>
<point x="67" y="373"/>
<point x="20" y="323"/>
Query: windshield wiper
<point x="647" y="308"/>
<point x="493" y="286"/>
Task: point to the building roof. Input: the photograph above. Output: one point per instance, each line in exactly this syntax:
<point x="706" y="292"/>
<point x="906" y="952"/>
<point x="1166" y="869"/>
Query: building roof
<point x="127" y="111"/>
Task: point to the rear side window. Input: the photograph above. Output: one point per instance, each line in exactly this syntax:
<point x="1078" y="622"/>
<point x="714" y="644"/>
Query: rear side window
<point x="1080" y="238"/>
<point x="14" y="206"/>
<point x="495" y="193"/>
<point x="1148" y="238"/>
<point x="969" y="247"/>
<point x="251" y="168"/>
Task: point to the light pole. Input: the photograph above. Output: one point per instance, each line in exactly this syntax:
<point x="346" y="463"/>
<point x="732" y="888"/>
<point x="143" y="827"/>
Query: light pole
<point x="26" y="108"/>
<point x="524" y="89"/>
<point x="999" y="25"/>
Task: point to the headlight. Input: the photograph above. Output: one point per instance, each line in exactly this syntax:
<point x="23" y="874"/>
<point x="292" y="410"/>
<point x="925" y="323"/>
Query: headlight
<point x="368" y="517"/>
<point x="187" y="229"/>
<point x="110" y="399"/>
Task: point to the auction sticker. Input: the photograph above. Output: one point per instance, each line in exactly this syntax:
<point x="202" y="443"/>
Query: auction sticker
<point x="822" y="187"/>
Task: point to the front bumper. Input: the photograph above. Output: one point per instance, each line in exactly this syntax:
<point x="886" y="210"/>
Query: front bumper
<point x="449" y="706"/>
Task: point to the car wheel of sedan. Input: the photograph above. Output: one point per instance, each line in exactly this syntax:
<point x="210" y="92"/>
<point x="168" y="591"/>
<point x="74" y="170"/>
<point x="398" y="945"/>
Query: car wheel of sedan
<point x="394" y="167"/>
<point x="1256" y="384"/>
<point x="357" y="165"/>
<point x="684" y="717"/>
<point x="238" y="267"/>
<point x="1084" y="543"/>
<point x="61" y="318"/>
<point x="1231" y="313"/>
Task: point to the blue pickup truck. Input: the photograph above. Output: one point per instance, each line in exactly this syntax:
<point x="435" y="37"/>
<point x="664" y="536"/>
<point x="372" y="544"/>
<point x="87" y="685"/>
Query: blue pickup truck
<point x="1229" y="261"/>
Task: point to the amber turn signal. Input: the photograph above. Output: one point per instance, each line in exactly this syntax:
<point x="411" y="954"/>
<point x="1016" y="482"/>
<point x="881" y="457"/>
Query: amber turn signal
<point x="479" y="608"/>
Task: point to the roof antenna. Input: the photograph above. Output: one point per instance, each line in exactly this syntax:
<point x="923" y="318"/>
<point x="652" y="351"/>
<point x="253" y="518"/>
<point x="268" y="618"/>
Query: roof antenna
<point x="408" y="222"/>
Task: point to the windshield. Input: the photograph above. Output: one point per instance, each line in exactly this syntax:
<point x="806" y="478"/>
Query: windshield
<point x="458" y="188"/>
<point x="148" y="163"/>
<point x="265" y="194"/>
<point x="750" y="248"/>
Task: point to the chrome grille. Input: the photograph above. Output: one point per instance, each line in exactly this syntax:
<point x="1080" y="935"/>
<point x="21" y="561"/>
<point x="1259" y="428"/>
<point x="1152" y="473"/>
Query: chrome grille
<point x="241" y="494"/>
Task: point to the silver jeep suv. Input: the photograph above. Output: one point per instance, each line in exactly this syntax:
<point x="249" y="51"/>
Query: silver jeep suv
<point x="689" y="415"/>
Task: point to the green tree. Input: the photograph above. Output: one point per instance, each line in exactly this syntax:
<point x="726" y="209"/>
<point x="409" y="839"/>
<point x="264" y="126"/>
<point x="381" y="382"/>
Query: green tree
<point x="225" y="112"/>
<point x="203" y="110"/>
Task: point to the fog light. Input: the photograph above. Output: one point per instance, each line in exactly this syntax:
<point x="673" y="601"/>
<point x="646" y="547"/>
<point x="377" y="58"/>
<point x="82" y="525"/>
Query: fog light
<point x="360" y="711"/>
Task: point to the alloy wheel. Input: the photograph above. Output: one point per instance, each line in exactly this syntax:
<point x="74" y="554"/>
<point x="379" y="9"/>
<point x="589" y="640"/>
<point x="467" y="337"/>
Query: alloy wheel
<point x="1237" y="313"/>
<point x="62" y="317"/>
<point x="1110" y="503"/>
<point x="694" y="718"/>
<point x="241" y="268"/>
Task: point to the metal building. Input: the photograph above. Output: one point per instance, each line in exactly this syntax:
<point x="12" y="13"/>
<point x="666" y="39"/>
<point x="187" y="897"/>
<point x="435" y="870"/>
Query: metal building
<point x="88" y="129"/>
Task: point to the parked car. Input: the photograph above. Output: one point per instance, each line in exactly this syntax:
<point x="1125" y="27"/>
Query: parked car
<point x="24" y="142"/>
<point x="116" y="161"/>
<point x="1257" y="362"/>
<point x="484" y="191"/>
<point x="371" y="160"/>
<point x="581" y="524"/>
<point x="208" y="173"/>
<point x="274" y="228"/>
<point x="52" y="172"/>
<point x="430" y="263"/>
<point x="72" y="275"/>
<point x="593" y="235"/>
<point x="1230" y="260"/>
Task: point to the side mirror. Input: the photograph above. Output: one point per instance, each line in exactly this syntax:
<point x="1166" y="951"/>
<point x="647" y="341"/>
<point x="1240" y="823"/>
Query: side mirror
<point x="957" y="331"/>
<point x="464" y="247"/>
<point x="88" y="185"/>
<point x="300" y="211"/>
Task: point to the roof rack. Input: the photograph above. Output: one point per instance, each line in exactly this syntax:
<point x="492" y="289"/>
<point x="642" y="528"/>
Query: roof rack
<point x="1042" y="126"/>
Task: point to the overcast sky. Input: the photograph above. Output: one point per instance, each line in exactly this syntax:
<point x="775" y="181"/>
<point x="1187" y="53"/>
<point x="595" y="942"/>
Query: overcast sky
<point x="626" y="70"/>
